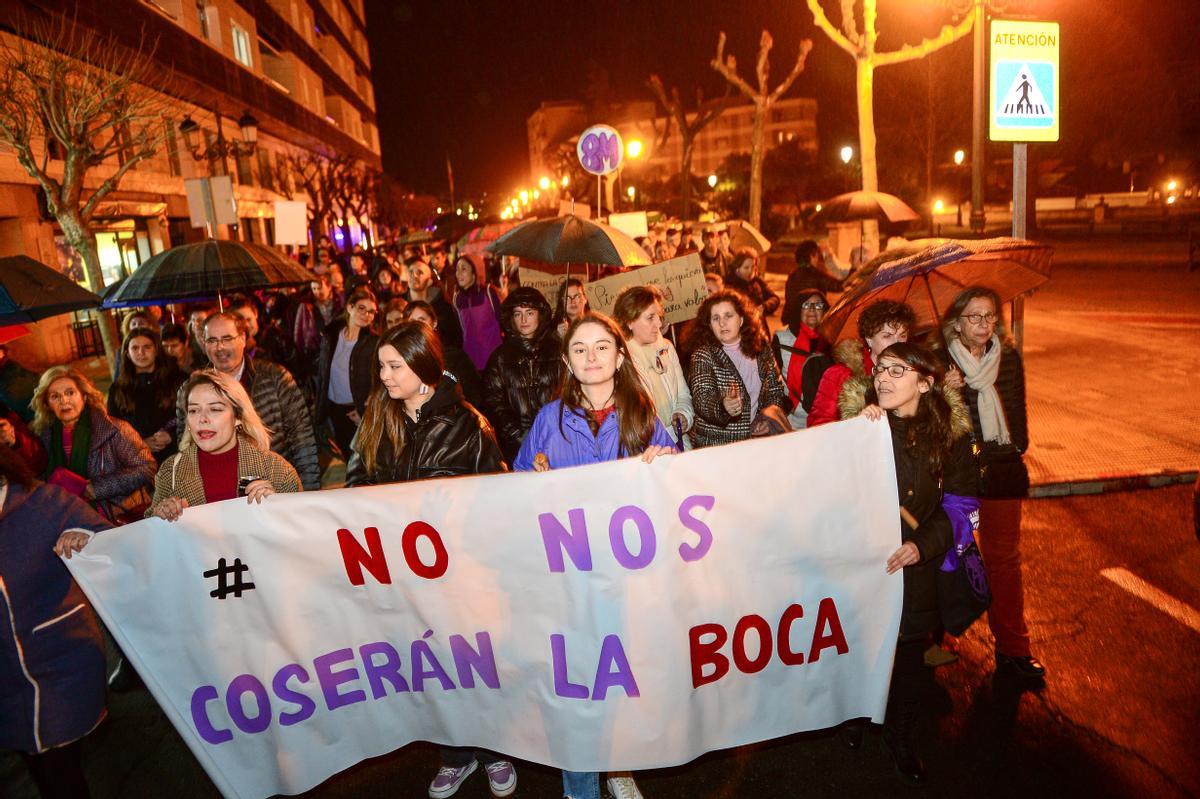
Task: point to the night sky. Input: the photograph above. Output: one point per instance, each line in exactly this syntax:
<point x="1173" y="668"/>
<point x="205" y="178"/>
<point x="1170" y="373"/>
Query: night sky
<point x="460" y="77"/>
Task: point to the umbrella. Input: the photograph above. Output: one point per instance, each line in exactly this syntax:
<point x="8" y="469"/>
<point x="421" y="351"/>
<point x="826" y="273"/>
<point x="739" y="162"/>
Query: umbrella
<point x="206" y="268"/>
<point x="929" y="274"/>
<point x="30" y="290"/>
<point x="415" y="237"/>
<point x="12" y="332"/>
<point x="743" y="235"/>
<point x="862" y="205"/>
<point x="570" y="240"/>
<point x="474" y="242"/>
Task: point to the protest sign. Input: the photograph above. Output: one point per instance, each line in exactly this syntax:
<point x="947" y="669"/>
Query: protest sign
<point x="632" y="224"/>
<point x="606" y="617"/>
<point x="547" y="283"/>
<point x="681" y="280"/>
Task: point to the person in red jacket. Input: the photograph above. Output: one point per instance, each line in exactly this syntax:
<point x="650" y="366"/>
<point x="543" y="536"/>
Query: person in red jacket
<point x="16" y="435"/>
<point x="880" y="325"/>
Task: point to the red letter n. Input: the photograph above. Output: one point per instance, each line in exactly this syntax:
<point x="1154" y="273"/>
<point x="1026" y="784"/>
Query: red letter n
<point x="355" y="557"/>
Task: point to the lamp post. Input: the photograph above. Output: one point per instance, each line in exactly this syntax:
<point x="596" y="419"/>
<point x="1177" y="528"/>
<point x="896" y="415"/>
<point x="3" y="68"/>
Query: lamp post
<point x="222" y="148"/>
<point x="978" y="114"/>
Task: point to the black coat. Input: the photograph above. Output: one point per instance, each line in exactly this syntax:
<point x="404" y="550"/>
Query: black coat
<point x="449" y="438"/>
<point x="458" y="363"/>
<point x="921" y="494"/>
<point x="147" y="416"/>
<point x="522" y="375"/>
<point x="1009" y="477"/>
<point x="362" y="368"/>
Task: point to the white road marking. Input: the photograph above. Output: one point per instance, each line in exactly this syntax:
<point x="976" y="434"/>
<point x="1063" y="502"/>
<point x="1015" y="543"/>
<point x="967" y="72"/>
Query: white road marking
<point x="1181" y="612"/>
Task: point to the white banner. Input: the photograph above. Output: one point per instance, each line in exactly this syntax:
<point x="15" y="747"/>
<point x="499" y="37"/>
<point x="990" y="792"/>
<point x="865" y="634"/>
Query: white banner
<point x="608" y="617"/>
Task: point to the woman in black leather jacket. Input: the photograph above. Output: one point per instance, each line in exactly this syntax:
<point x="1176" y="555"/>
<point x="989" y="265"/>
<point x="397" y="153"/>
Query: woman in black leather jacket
<point x="932" y="444"/>
<point x="524" y="372"/>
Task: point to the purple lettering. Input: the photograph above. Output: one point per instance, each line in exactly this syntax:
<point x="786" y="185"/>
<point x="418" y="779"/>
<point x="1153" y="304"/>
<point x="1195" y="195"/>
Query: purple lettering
<point x="481" y="659"/>
<point x="616" y="537"/>
<point x="420" y="654"/>
<point x="242" y="684"/>
<point x="330" y="679"/>
<point x="279" y="684"/>
<point x="388" y="670"/>
<point x="562" y="683"/>
<point x="200" y="699"/>
<point x="688" y="552"/>
<point x="613" y="654"/>
<point x="556" y="539"/>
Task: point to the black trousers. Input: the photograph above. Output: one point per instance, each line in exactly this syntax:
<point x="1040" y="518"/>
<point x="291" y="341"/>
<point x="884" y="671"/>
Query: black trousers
<point x="908" y="676"/>
<point x="58" y="772"/>
<point x="344" y="427"/>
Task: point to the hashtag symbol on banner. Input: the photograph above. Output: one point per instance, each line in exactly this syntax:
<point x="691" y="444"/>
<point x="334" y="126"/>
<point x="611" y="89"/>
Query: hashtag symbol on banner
<point x="223" y="570"/>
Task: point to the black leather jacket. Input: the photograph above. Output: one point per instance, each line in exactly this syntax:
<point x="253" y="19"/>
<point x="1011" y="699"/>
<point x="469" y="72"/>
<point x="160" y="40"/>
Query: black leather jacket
<point x="449" y="438"/>
<point x="522" y="374"/>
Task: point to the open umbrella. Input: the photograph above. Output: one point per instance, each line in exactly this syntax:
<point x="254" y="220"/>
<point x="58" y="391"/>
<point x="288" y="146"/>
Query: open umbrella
<point x="205" y="269"/>
<point x="929" y="274"/>
<point x="570" y="240"/>
<point x="474" y="242"/>
<point x="743" y="235"/>
<point x="12" y="333"/>
<point x="30" y="290"/>
<point x="856" y="206"/>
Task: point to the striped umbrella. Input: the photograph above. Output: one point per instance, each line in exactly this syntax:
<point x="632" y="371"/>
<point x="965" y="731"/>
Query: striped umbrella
<point x="205" y="269"/>
<point x="570" y="240"/>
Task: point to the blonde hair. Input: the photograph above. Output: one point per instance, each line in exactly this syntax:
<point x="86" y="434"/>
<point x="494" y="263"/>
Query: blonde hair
<point x="43" y="417"/>
<point x="249" y="423"/>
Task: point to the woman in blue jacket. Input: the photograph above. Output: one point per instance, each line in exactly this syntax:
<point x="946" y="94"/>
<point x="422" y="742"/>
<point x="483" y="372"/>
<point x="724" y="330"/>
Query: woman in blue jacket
<point x="603" y="413"/>
<point x="51" y="652"/>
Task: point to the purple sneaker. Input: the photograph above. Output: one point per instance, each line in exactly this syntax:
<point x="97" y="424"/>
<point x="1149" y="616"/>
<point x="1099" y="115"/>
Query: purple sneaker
<point x="502" y="778"/>
<point x="448" y="780"/>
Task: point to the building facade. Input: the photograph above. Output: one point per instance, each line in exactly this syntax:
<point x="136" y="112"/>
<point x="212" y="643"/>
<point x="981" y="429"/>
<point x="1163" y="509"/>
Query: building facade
<point x="301" y="68"/>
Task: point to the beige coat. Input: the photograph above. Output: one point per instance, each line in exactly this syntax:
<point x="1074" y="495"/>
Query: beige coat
<point x="668" y="386"/>
<point x="179" y="475"/>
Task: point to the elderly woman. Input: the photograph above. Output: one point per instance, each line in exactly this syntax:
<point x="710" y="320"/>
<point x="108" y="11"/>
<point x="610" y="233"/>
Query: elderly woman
<point x="734" y="380"/>
<point x="639" y="313"/>
<point x="90" y="453"/>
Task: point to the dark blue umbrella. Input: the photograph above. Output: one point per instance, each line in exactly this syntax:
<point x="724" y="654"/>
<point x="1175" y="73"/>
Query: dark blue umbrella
<point x="30" y="291"/>
<point x="570" y="240"/>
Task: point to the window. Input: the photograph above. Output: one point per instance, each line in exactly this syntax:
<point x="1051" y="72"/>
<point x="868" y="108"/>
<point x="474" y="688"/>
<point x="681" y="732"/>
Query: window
<point x="266" y="173"/>
<point x="202" y="15"/>
<point x="172" y="148"/>
<point x="241" y="47"/>
<point x="245" y="174"/>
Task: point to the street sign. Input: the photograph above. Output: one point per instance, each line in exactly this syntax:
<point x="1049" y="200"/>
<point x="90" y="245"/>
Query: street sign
<point x="1024" y="103"/>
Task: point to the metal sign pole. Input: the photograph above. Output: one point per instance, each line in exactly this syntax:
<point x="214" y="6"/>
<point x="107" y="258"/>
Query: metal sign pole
<point x="1019" y="221"/>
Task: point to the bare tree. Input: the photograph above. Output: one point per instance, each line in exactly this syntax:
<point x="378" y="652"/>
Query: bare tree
<point x="861" y="46"/>
<point x="706" y="112"/>
<point x="71" y="93"/>
<point x="321" y="176"/>
<point x="357" y="194"/>
<point x="763" y="98"/>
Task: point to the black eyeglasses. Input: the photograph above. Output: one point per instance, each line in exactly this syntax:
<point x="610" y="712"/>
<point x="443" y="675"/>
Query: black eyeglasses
<point x="895" y="370"/>
<point x="980" y="318"/>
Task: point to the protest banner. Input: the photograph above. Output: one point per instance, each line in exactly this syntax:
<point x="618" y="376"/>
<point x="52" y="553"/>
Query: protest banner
<point x="681" y="280"/>
<point x="606" y="617"/>
<point x="546" y="282"/>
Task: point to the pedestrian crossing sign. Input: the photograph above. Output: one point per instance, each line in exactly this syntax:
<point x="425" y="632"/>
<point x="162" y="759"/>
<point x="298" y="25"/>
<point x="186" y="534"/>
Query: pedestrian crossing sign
<point x="1024" y="81"/>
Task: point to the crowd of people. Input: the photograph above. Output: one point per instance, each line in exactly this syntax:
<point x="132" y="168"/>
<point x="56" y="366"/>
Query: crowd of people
<point x="410" y="365"/>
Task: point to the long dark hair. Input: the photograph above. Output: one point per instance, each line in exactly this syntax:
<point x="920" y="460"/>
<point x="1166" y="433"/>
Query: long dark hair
<point x="560" y="304"/>
<point x="930" y="427"/>
<point x="636" y="416"/>
<point x="166" y="375"/>
<point x="753" y="334"/>
<point x="420" y="348"/>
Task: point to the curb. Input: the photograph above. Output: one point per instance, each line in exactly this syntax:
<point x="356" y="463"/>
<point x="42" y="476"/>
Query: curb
<point x="1105" y="485"/>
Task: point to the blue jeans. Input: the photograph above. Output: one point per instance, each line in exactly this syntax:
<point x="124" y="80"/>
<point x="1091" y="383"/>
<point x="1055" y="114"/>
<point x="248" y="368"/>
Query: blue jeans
<point x="581" y="784"/>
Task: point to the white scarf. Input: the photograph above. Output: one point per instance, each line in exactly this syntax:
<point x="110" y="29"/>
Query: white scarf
<point x="980" y="374"/>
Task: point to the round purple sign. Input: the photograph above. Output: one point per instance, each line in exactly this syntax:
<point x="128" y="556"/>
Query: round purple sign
<point x="600" y="150"/>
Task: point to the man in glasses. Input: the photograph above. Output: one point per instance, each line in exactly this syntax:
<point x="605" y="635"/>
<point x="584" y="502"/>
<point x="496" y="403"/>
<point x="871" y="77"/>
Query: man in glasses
<point x="272" y="389"/>
<point x="809" y="272"/>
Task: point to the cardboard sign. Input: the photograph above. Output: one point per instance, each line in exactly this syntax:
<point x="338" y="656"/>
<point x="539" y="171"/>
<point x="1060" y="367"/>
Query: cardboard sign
<point x="291" y="222"/>
<point x="680" y="279"/>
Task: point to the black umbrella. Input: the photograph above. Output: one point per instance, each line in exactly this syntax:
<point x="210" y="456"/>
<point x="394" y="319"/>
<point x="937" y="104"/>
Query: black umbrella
<point x="30" y="291"/>
<point x="204" y="269"/>
<point x="570" y="240"/>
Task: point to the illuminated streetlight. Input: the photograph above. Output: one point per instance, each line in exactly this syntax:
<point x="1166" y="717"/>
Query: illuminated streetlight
<point x="631" y="191"/>
<point x="458" y="212"/>
<point x="537" y="193"/>
<point x="566" y="181"/>
<point x="938" y="206"/>
<point x="847" y="153"/>
<point x="544" y="183"/>
<point x="1171" y="200"/>
<point x="959" y="157"/>
<point x="524" y="195"/>
<point x="634" y="148"/>
<point x="712" y="181"/>
<point x="1171" y="185"/>
<point x="818" y="208"/>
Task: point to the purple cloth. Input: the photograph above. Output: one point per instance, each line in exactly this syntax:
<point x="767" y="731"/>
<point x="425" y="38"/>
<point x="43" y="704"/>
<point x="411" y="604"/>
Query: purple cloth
<point x="964" y="518"/>
<point x="478" y="310"/>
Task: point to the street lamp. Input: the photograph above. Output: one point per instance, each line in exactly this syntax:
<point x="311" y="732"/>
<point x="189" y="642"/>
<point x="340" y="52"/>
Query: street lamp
<point x="712" y="181"/>
<point x="222" y="148"/>
<point x="847" y="153"/>
<point x="959" y="157"/>
<point x="566" y="181"/>
<point x="524" y="195"/>
<point x="633" y="148"/>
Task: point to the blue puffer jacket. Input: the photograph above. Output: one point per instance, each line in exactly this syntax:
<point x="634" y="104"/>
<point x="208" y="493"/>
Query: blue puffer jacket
<point x="51" y="652"/>
<point x="574" y="444"/>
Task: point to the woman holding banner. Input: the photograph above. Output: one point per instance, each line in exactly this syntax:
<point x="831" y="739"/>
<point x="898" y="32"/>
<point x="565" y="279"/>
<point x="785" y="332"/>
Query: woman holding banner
<point x="736" y="386"/>
<point x="639" y="312"/>
<point x="603" y="413"/>
<point x="418" y="426"/>
<point x="932" y="443"/>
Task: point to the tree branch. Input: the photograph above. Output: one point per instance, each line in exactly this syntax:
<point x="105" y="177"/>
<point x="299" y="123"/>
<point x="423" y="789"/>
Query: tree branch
<point x="948" y="35"/>
<point x="801" y="57"/>
<point x="727" y="68"/>
<point x="822" y="22"/>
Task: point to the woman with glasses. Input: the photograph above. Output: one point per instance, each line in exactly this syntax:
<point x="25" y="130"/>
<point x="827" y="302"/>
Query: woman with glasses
<point x="346" y="366"/>
<point x="988" y="369"/>
<point x="931" y="442"/>
<point x="639" y="313"/>
<point x="793" y="344"/>
<point x="572" y="303"/>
